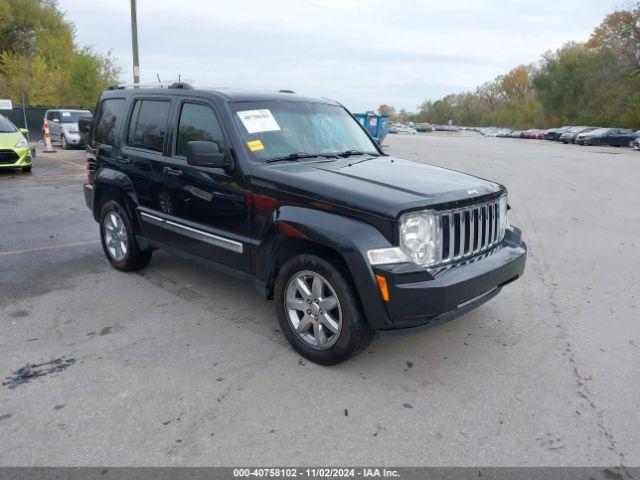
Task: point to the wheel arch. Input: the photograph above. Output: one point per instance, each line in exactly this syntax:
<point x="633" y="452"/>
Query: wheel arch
<point x="289" y="247"/>
<point x="342" y="240"/>
<point x="110" y="184"/>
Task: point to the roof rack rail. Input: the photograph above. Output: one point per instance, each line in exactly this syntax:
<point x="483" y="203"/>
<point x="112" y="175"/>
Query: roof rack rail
<point x="173" y="84"/>
<point x="286" y="91"/>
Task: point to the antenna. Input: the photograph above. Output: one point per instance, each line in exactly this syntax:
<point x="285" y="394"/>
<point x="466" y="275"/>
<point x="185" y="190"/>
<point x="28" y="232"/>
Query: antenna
<point x="159" y="81"/>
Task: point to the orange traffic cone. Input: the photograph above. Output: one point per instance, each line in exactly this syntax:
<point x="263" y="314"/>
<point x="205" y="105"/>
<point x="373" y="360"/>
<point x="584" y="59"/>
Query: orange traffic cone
<point x="48" y="148"/>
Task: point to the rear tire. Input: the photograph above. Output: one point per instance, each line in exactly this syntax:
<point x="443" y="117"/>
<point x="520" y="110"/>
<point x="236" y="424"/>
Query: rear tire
<point x="118" y="240"/>
<point x="324" y="337"/>
<point x="26" y="169"/>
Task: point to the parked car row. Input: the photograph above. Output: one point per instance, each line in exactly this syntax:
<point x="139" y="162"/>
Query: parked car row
<point x="412" y="128"/>
<point x="445" y="128"/>
<point x="406" y="128"/>
<point x="580" y="135"/>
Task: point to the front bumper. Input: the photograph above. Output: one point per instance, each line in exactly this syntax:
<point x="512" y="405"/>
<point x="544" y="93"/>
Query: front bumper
<point x="73" y="138"/>
<point x="24" y="158"/>
<point x="419" y="299"/>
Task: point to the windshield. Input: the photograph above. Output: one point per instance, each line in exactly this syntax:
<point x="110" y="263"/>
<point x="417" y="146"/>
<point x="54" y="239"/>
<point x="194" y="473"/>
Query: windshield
<point x="73" y="116"/>
<point x="278" y="129"/>
<point x="6" y="126"/>
<point x="600" y="131"/>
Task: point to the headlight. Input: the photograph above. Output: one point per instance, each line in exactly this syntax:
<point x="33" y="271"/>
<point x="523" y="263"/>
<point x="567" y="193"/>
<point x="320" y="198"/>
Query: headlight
<point x="502" y="215"/>
<point x="419" y="242"/>
<point x="21" y="143"/>
<point x="419" y="237"/>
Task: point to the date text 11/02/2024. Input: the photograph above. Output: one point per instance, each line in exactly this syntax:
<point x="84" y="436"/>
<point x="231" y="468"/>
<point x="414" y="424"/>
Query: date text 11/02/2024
<point x="316" y="472"/>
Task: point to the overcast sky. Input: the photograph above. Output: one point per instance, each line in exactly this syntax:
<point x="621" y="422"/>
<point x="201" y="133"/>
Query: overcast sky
<point x="360" y="52"/>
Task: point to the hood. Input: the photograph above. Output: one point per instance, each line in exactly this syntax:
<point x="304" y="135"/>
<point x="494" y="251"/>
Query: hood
<point x="8" y="140"/>
<point x="384" y="186"/>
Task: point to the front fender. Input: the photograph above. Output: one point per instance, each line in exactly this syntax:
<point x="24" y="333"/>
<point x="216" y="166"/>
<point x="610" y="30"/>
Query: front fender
<point x="349" y="237"/>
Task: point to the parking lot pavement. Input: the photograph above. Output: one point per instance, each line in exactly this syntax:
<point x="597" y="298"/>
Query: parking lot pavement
<point x="180" y="365"/>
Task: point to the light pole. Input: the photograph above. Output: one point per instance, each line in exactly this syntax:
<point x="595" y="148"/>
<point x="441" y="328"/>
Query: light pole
<point x="134" y="43"/>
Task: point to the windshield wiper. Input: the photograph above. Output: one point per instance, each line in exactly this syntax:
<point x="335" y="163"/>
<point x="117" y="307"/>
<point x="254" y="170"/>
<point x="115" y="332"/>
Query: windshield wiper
<point x="350" y="153"/>
<point x="294" y="157"/>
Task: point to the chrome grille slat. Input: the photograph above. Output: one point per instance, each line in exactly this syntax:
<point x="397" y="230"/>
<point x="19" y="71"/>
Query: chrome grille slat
<point x="472" y="230"/>
<point x="463" y="233"/>
<point x="482" y="221"/>
<point x="457" y="224"/>
<point x="496" y="207"/>
<point x="452" y="232"/>
<point x="490" y="222"/>
<point x="479" y="229"/>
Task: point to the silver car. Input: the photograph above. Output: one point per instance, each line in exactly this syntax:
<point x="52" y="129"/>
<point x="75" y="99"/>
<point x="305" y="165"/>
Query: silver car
<point x="63" y="126"/>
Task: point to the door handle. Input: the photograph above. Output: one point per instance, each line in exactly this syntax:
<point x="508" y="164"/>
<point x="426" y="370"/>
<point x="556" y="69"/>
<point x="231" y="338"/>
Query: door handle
<point x="124" y="159"/>
<point x="172" y="171"/>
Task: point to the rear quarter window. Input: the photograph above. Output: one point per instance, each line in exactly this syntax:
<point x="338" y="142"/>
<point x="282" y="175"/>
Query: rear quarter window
<point x="109" y="120"/>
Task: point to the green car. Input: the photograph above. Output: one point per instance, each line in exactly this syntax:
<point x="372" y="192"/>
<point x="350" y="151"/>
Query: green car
<point x="14" y="148"/>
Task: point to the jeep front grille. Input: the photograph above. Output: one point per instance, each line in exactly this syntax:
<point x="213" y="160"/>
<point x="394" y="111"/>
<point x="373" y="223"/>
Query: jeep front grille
<point x="470" y="231"/>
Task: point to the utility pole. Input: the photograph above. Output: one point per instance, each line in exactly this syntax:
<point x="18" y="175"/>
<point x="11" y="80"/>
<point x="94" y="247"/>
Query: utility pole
<point x="134" y="43"/>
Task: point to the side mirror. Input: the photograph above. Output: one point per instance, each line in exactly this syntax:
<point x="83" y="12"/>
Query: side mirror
<point x="24" y="131"/>
<point x="206" y="154"/>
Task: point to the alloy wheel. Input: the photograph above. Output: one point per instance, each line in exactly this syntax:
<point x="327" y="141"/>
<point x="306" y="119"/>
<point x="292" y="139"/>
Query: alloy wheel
<point x="115" y="236"/>
<point x="313" y="309"/>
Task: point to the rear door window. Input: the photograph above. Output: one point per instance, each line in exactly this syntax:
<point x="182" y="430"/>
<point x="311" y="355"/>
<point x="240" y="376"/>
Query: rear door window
<point x="148" y="125"/>
<point x="109" y="121"/>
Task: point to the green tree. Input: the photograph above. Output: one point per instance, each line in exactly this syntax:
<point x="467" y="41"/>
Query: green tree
<point x="40" y="60"/>
<point x="571" y="83"/>
<point x="620" y="32"/>
<point x="385" y="109"/>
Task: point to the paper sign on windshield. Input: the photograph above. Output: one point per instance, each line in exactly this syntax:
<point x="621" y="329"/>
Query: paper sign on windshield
<point x="256" y="121"/>
<point x="255" y="145"/>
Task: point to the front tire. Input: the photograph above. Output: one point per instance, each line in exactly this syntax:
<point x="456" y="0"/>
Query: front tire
<point x="65" y="144"/>
<point x="118" y="240"/>
<point x="319" y="311"/>
<point x="26" y="169"/>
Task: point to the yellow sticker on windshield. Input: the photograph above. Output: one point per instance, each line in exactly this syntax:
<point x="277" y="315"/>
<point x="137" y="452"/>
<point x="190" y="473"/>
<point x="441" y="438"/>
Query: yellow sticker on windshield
<point x="255" y="145"/>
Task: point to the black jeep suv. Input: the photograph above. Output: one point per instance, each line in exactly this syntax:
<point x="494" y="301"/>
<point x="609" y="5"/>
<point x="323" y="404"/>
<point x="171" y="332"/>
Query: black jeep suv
<point x="294" y="194"/>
